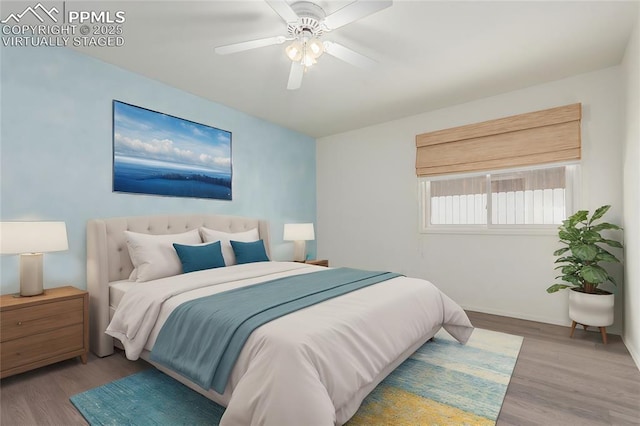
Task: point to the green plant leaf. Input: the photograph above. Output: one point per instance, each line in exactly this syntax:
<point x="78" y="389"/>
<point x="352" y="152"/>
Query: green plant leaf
<point x="601" y="250"/>
<point x="591" y="236"/>
<point x="612" y="281"/>
<point x="584" y="252"/>
<point x="564" y="235"/>
<point x="605" y="256"/>
<point x="557" y="287"/>
<point x="569" y="269"/>
<point x="571" y="259"/>
<point x="604" y="225"/>
<point x="594" y="274"/>
<point x="564" y="261"/>
<point x="571" y="279"/>
<point x="570" y="235"/>
<point x="579" y="216"/>
<point x="599" y="213"/>
<point x="612" y="243"/>
<point x="560" y="251"/>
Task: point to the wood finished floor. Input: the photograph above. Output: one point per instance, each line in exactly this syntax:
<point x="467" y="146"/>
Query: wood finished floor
<point x="556" y="381"/>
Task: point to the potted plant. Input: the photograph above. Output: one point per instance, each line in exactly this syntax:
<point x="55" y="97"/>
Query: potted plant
<point x="579" y="262"/>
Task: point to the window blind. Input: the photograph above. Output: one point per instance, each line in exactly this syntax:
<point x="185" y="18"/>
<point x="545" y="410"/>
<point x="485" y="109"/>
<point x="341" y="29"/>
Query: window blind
<point x="547" y="136"/>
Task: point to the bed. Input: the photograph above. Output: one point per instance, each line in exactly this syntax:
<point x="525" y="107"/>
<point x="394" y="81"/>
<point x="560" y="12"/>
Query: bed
<point x="313" y="366"/>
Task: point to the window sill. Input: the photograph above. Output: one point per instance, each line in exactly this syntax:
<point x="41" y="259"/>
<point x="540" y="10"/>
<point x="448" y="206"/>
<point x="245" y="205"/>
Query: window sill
<point x="551" y="230"/>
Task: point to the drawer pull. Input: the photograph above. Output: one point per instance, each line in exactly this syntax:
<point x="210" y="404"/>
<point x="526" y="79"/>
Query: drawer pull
<point x="19" y="322"/>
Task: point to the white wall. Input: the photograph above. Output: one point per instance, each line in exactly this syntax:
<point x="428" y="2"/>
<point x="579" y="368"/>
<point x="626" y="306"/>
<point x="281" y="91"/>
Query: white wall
<point x="631" y="67"/>
<point x="368" y="201"/>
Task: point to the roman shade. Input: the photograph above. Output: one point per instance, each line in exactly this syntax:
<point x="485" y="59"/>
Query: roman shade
<point x="547" y="136"/>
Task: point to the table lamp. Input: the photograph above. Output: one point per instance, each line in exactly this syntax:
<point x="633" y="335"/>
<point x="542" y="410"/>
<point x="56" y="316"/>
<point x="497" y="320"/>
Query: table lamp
<point x="299" y="233"/>
<point x="30" y="240"/>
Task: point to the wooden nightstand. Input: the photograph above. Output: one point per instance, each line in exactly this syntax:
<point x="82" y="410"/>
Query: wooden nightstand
<point x="320" y="262"/>
<point x="40" y="330"/>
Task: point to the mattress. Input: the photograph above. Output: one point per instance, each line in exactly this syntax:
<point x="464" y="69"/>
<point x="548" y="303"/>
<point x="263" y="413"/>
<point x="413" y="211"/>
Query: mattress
<point x="117" y="289"/>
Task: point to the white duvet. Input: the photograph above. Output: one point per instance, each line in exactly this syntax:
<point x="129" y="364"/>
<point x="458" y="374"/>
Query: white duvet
<point x="311" y="367"/>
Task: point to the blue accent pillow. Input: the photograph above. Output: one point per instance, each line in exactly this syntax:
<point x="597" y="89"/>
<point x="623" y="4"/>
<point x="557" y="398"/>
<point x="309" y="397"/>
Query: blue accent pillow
<point x="199" y="257"/>
<point x="249" y="252"/>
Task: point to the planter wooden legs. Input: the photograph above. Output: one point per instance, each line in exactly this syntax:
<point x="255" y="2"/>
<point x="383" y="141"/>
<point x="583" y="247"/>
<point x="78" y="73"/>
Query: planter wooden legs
<point x="603" y="331"/>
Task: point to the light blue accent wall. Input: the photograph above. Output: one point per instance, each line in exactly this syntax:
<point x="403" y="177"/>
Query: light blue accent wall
<point x="56" y="155"/>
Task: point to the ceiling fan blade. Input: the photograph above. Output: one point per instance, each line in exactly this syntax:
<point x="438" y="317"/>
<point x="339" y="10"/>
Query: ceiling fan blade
<point x="354" y="11"/>
<point x="248" y="45"/>
<point x="283" y="9"/>
<point x="295" y="76"/>
<point x="348" y="55"/>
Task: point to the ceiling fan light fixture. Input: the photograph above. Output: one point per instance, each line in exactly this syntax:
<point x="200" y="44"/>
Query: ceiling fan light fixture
<point x="306" y="24"/>
<point x="294" y="51"/>
<point x="308" y="60"/>
<point x="305" y="50"/>
<point x="315" y="48"/>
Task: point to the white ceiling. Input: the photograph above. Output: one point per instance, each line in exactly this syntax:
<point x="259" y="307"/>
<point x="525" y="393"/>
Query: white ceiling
<point x="431" y="54"/>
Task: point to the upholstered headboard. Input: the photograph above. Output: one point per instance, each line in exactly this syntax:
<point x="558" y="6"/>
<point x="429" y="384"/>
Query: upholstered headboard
<point x="108" y="256"/>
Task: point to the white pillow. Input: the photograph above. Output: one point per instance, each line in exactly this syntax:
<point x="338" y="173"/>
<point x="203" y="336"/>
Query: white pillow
<point x="153" y="256"/>
<point x="211" y="236"/>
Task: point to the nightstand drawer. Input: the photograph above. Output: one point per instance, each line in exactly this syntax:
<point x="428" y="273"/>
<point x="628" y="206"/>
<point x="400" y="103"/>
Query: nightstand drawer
<point x="34" y="348"/>
<point x="40" y="318"/>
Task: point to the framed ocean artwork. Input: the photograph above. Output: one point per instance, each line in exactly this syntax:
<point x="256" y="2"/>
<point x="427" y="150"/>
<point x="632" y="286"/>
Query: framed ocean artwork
<point x="159" y="154"/>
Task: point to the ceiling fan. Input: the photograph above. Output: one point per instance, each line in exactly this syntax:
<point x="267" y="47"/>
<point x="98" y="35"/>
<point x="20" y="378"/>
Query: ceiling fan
<point x="306" y="24"/>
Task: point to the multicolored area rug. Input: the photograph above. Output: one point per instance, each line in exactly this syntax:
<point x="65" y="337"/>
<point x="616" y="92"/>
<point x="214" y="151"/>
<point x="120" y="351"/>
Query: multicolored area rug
<point x="443" y="383"/>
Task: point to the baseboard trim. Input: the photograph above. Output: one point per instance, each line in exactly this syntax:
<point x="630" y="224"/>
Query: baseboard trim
<point x="545" y="320"/>
<point x="632" y="351"/>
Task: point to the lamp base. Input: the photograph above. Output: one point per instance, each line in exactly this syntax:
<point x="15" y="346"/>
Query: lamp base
<point x="31" y="274"/>
<point x="299" y="251"/>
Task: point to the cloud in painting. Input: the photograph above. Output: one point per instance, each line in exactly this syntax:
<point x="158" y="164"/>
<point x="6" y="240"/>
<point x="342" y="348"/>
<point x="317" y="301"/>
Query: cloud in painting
<point x="166" y="150"/>
<point x="148" y="135"/>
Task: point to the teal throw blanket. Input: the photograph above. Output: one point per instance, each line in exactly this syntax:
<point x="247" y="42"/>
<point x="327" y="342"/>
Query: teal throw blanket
<point x="202" y="338"/>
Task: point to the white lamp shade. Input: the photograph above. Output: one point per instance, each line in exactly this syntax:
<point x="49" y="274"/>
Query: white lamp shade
<point x="298" y="232"/>
<point x="32" y="237"/>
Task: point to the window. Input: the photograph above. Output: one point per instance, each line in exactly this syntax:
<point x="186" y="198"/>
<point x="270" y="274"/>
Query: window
<point x="513" y="174"/>
<point x="459" y="201"/>
<point x="533" y="198"/>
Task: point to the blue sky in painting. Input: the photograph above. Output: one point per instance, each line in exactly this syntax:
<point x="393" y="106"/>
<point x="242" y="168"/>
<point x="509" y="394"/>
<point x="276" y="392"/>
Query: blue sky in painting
<point x="148" y="136"/>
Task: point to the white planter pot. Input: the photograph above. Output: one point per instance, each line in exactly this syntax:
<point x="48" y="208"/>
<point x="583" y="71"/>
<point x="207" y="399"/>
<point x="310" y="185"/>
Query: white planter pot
<point x="591" y="309"/>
